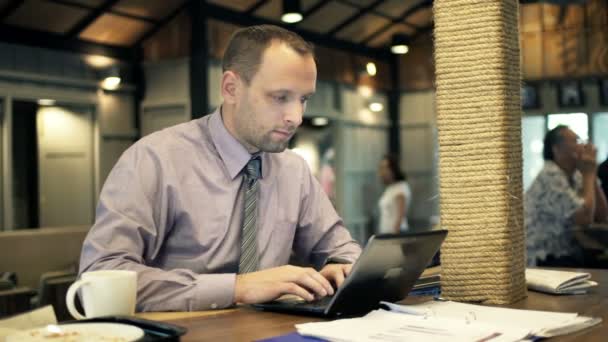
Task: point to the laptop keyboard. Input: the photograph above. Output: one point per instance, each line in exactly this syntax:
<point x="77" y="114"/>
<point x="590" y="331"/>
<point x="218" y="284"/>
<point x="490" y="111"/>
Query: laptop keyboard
<point x="319" y="303"/>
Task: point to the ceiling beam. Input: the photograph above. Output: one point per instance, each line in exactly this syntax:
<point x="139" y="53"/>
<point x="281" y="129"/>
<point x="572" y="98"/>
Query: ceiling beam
<point x="159" y="25"/>
<point x="90" y="18"/>
<point x="314" y="8"/>
<point x="255" y="6"/>
<point x="363" y="11"/>
<point x="351" y="4"/>
<point x="21" y="36"/>
<point x="421" y="5"/>
<point x="10" y="8"/>
<point x="237" y="18"/>
<point x="111" y="11"/>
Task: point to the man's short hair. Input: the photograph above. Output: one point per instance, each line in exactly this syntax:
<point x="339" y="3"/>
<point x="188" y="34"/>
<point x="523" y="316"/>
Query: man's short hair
<point x="246" y="46"/>
<point x="552" y="138"/>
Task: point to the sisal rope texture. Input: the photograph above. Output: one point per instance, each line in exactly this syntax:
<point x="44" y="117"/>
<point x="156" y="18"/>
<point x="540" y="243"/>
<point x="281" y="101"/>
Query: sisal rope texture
<point x="480" y="164"/>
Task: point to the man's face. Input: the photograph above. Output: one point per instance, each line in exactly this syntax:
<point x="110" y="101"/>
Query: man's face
<point x="567" y="150"/>
<point x="270" y="108"/>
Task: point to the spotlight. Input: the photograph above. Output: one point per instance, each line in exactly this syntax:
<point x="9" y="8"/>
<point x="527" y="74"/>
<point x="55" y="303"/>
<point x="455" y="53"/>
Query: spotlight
<point x="320" y="121"/>
<point x="376" y="107"/>
<point x="371" y="68"/>
<point x="46" y="102"/>
<point x="291" y="11"/>
<point x="112" y="79"/>
<point x="399" y="44"/>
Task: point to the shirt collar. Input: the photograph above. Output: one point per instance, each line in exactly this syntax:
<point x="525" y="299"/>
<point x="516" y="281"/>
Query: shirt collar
<point x="233" y="154"/>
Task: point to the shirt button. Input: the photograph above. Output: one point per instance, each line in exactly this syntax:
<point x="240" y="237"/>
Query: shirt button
<point x="214" y="306"/>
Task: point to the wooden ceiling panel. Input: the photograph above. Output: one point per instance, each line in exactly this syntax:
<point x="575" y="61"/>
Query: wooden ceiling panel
<point x="550" y="16"/>
<point x="115" y="30"/>
<point x="421" y="18"/>
<point x="362" y="28"/>
<point x="307" y="4"/>
<point x="575" y="16"/>
<point x="271" y="10"/>
<point x="384" y="38"/>
<point x="34" y="14"/>
<point x="327" y="17"/>
<point x="596" y="14"/>
<point x="529" y="18"/>
<point x="239" y="5"/>
<point x="149" y="9"/>
<point x="532" y="55"/>
<point x="395" y="8"/>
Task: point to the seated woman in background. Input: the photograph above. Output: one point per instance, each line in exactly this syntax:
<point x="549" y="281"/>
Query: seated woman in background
<point x="396" y="198"/>
<point x="565" y="194"/>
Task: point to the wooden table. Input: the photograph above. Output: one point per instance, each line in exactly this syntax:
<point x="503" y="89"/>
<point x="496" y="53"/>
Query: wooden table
<point x="246" y="324"/>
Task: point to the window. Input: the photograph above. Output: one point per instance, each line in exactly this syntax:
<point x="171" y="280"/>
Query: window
<point x="600" y="135"/>
<point x="577" y="122"/>
<point x="533" y="133"/>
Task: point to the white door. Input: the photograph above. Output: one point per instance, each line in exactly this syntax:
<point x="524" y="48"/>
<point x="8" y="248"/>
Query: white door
<point x="65" y="163"/>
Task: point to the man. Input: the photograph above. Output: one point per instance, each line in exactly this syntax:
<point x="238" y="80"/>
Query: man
<point x="565" y="194"/>
<point x="208" y="212"/>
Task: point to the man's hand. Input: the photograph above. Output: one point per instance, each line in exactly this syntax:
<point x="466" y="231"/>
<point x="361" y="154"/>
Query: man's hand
<point x="336" y="273"/>
<point x="266" y="285"/>
<point x="586" y="162"/>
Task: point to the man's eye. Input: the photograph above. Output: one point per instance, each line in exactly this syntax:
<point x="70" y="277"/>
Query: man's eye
<point x="281" y="98"/>
<point x="304" y="99"/>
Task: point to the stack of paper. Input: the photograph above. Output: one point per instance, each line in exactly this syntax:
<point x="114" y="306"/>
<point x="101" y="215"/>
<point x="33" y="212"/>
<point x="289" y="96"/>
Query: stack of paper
<point x="448" y="321"/>
<point x="558" y="282"/>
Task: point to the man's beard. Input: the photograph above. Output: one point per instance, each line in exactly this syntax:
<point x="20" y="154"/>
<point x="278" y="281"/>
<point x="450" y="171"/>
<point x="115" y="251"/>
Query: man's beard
<point x="266" y="144"/>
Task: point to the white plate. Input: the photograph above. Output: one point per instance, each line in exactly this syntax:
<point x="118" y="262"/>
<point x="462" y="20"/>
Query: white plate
<point x="80" y="332"/>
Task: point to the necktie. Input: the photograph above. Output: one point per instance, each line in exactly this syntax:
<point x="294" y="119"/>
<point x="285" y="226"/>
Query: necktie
<point x="249" y="251"/>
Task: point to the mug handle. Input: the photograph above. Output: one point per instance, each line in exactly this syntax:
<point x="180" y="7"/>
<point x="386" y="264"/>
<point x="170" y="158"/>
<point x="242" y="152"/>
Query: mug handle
<point x="69" y="298"/>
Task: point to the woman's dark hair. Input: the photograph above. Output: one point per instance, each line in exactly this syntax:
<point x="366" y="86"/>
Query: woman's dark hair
<point x="393" y="165"/>
<point x="552" y="138"/>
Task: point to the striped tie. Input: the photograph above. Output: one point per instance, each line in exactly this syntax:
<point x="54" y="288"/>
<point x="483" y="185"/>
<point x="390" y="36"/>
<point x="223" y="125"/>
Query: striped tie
<point x="249" y="251"/>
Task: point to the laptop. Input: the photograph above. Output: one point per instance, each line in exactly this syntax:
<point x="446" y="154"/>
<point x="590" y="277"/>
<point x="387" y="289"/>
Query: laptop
<point x="386" y="271"/>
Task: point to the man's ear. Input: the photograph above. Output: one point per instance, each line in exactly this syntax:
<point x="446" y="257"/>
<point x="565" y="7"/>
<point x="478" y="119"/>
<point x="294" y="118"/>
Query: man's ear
<point x="231" y="83"/>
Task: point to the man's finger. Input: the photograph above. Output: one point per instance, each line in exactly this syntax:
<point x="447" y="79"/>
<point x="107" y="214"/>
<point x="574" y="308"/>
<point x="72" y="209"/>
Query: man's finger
<point x="322" y="280"/>
<point x="295" y="289"/>
<point x="339" y="277"/>
<point x="309" y="282"/>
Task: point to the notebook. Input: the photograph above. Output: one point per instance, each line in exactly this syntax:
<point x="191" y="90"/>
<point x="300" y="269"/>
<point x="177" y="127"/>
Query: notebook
<point x="386" y="271"/>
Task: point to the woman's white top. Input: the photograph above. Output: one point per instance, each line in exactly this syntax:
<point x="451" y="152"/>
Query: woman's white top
<point x="388" y="206"/>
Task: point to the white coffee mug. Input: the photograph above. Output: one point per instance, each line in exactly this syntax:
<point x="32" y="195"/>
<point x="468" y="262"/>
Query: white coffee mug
<point x="104" y="293"/>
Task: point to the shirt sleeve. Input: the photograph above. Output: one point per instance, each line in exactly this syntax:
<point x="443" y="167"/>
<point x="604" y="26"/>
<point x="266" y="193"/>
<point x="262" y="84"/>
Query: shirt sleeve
<point x="134" y="216"/>
<point x="321" y="234"/>
<point x="561" y="199"/>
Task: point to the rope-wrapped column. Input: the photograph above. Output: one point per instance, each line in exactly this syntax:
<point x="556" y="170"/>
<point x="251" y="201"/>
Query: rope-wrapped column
<point x="480" y="165"/>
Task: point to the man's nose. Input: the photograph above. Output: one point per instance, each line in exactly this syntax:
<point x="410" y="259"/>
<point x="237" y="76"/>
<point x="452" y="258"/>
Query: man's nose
<point x="294" y="113"/>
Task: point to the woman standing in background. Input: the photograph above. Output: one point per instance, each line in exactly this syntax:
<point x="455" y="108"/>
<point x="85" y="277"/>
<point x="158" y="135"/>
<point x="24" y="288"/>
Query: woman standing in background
<point x="396" y="199"/>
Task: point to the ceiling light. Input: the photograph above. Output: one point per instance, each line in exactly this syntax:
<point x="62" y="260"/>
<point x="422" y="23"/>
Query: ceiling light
<point x="291" y="11"/>
<point x="320" y="121"/>
<point x="399" y="44"/>
<point x="376" y="107"/>
<point x="46" y="102"/>
<point x="371" y="68"/>
<point x="110" y="78"/>
<point x="111" y="83"/>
